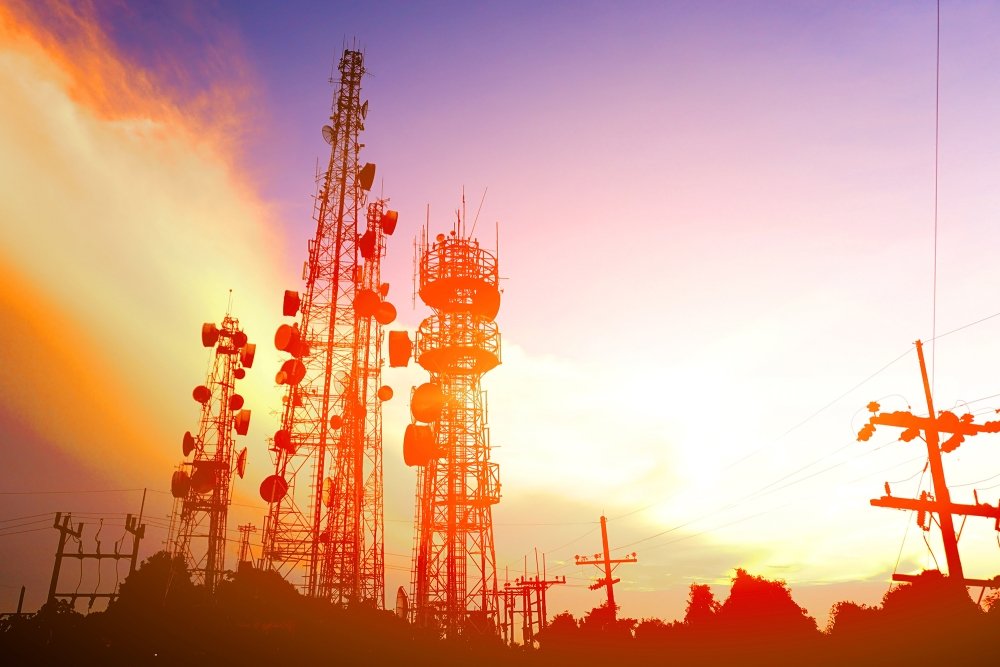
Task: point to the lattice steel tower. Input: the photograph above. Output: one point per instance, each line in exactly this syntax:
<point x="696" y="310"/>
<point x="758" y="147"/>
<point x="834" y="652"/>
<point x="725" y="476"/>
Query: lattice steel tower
<point x="202" y="486"/>
<point x="325" y="515"/>
<point x="454" y="582"/>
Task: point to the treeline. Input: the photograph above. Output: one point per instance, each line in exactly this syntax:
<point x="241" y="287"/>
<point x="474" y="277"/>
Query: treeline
<point x="256" y="618"/>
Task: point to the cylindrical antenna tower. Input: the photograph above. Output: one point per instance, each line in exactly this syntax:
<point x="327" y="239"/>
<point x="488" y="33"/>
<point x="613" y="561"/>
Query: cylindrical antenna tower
<point x="454" y="583"/>
<point x="202" y="485"/>
<point x="325" y="497"/>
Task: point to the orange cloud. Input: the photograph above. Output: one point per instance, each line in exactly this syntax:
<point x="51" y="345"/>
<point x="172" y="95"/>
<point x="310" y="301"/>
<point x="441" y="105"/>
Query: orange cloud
<point x="126" y="222"/>
<point x="78" y="53"/>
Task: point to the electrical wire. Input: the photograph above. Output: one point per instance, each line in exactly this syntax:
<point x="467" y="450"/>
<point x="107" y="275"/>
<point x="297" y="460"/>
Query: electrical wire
<point x="820" y="411"/>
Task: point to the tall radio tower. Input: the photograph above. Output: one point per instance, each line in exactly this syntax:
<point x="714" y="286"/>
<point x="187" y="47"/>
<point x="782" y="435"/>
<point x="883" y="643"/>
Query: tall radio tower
<point x="202" y="486"/>
<point x="325" y="514"/>
<point x="454" y="582"/>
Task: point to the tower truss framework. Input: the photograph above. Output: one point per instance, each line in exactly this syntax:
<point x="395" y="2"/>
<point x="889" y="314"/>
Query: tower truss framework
<point x="324" y="520"/>
<point x="454" y="581"/>
<point x="202" y="485"/>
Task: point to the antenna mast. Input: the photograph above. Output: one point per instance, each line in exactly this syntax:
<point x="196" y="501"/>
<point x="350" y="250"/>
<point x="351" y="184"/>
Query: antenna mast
<point x="325" y="497"/>
<point x="202" y="486"/>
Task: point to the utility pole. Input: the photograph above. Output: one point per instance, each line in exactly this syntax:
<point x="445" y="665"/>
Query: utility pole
<point x="246" y="558"/>
<point x="609" y="564"/>
<point x="64" y="524"/>
<point x="526" y="596"/>
<point x="940" y="501"/>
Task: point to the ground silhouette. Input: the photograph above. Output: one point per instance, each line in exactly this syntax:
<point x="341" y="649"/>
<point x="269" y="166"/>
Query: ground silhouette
<point x="256" y="618"/>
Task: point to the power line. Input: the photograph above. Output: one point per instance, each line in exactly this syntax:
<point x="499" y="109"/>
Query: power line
<point x="819" y="412"/>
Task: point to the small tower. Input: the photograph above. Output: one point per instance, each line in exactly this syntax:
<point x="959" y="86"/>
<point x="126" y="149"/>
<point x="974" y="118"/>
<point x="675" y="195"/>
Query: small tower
<point x="202" y="484"/>
<point x="454" y="582"/>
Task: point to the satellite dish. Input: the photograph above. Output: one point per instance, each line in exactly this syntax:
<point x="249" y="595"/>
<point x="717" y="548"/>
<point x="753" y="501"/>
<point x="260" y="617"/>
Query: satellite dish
<point x="366" y="302"/>
<point x="241" y="463"/>
<point x="235" y="402"/>
<point x="486" y="303"/>
<point x="385" y="313"/>
<point x="290" y="304"/>
<point x="336" y="422"/>
<point x="400" y="349"/>
<point x="188" y="443"/>
<point x="209" y="334"/>
<point x="418" y="445"/>
<point x="180" y="483"/>
<point x="239" y="373"/>
<point x="294" y="371"/>
<point x="246" y="356"/>
<point x="203" y="477"/>
<point x="328" y="492"/>
<point x="239" y="340"/>
<point x="283" y="440"/>
<point x="388" y="223"/>
<point x="402" y="604"/>
<point x="427" y="402"/>
<point x="286" y="337"/>
<point x="384" y="393"/>
<point x="273" y="488"/>
<point x="364" y="110"/>
<point x="366" y="244"/>
<point x="367" y="176"/>
<point x="202" y="394"/>
<point x="242" y="422"/>
<point x="328" y="134"/>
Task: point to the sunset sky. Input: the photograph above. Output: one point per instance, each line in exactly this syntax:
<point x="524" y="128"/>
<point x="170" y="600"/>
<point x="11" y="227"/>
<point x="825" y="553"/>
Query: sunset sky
<point x="716" y="228"/>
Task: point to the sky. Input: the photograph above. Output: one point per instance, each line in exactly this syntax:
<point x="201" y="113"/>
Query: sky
<point x="716" y="227"/>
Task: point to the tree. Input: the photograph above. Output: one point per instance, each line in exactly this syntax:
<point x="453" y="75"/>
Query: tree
<point x="764" y="609"/>
<point x="702" y="606"/>
<point x="561" y="632"/>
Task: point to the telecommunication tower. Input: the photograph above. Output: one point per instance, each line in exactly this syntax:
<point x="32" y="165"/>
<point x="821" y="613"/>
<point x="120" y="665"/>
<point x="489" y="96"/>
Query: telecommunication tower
<point x="202" y="485"/>
<point x="454" y="580"/>
<point x="324" y="519"/>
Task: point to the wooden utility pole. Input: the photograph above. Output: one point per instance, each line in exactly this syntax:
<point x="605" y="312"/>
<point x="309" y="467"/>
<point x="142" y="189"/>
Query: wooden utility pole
<point x="940" y="502"/>
<point x="64" y="524"/>
<point x="609" y="565"/>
